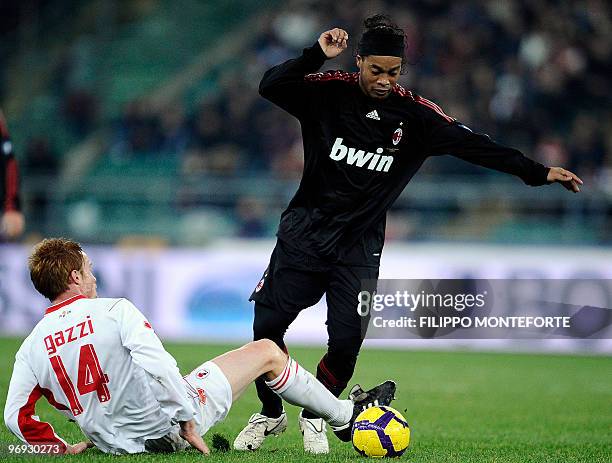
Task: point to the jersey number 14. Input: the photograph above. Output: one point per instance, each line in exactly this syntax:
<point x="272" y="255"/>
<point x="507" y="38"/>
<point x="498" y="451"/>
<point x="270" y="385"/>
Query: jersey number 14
<point x="90" y="378"/>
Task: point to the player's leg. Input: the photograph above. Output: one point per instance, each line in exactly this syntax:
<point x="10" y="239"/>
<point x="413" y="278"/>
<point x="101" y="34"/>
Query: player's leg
<point x="277" y="305"/>
<point x="243" y="365"/>
<point x="345" y="327"/>
<point x="292" y="282"/>
<point x="216" y="384"/>
<point x="295" y="384"/>
<point x="270" y="324"/>
<point x="284" y="376"/>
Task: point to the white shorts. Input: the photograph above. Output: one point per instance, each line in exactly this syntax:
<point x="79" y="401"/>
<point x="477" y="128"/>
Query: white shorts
<point x="211" y="393"/>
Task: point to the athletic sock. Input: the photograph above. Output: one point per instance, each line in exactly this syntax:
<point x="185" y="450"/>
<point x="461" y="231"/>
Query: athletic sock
<point x="299" y="387"/>
<point x="329" y="380"/>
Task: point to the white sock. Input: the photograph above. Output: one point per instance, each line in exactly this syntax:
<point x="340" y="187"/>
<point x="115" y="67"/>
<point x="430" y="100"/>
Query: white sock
<point x="299" y="387"/>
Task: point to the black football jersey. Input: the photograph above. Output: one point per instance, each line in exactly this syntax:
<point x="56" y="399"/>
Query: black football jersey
<point x="360" y="153"/>
<point x="9" y="188"/>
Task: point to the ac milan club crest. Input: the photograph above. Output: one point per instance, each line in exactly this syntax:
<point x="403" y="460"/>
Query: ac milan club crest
<point x="397" y="136"/>
<point x="261" y="283"/>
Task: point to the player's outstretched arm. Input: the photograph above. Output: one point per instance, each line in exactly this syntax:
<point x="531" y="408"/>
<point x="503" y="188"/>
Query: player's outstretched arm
<point x="448" y="136"/>
<point x="333" y="42"/>
<point x="569" y="180"/>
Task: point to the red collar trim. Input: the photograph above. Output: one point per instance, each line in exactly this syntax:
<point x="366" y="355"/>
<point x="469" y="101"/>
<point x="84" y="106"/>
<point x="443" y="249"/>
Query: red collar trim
<point x="59" y="305"/>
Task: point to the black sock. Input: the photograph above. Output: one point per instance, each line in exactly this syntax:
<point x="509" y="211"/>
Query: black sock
<point x="272" y="404"/>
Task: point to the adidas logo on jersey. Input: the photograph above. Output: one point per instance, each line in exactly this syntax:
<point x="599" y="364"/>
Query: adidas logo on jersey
<point x="359" y="158"/>
<point x="373" y="115"/>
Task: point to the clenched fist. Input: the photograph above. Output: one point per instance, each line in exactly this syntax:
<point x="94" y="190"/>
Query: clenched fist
<point x="333" y="42"/>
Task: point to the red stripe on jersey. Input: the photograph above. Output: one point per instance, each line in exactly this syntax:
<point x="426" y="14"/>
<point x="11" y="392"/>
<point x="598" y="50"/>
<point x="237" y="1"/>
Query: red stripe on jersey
<point x="401" y="91"/>
<point x="351" y="77"/>
<point x="12" y="185"/>
<point x="433" y="106"/>
<point x="430" y="103"/>
<point x="34" y="431"/>
<point x="59" y="305"/>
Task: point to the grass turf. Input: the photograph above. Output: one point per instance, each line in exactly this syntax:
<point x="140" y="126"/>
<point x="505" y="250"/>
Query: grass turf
<point x="467" y="407"/>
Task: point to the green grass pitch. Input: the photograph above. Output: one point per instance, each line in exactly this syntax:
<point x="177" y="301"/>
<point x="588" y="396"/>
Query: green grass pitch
<point x="461" y="406"/>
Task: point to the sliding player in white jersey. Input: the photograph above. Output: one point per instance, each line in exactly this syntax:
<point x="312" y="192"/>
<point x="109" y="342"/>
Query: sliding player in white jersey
<point x="100" y="363"/>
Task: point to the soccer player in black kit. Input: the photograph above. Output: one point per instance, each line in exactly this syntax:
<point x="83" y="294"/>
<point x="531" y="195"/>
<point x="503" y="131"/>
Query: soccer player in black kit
<point x="365" y="137"/>
<point x="11" y="217"/>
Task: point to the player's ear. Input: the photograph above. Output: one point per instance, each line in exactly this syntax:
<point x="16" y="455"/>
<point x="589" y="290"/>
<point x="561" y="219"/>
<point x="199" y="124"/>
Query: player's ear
<point x="75" y="277"/>
<point x="359" y="61"/>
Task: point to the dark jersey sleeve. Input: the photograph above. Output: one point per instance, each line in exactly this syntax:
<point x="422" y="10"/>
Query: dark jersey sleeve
<point x="284" y="85"/>
<point x="9" y="177"/>
<point x="447" y="136"/>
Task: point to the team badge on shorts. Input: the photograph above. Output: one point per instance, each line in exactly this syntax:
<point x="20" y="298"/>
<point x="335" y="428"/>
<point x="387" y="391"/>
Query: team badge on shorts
<point x="201" y="374"/>
<point x="397" y="136"/>
<point x="201" y="396"/>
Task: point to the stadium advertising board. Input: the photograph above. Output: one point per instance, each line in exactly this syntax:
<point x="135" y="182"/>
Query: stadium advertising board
<point x="202" y="294"/>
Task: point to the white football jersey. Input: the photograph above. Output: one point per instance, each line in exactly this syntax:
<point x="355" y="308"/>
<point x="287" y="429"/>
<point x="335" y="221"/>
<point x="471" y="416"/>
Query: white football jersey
<point x="101" y="364"/>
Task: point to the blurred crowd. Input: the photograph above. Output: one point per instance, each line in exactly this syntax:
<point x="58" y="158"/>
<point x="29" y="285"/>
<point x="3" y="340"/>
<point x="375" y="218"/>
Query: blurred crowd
<point x="532" y="74"/>
<point x="536" y="75"/>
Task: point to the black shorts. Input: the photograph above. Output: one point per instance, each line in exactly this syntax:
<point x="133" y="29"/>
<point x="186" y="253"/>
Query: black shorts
<point x="295" y="281"/>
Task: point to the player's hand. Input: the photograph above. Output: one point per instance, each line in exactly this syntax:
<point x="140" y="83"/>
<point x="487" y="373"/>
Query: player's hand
<point x="189" y="432"/>
<point x="77" y="448"/>
<point x="11" y="224"/>
<point x="568" y="179"/>
<point x="333" y="42"/>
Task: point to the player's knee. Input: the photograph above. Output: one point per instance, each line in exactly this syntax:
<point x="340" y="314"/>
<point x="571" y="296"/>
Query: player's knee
<point x="271" y="355"/>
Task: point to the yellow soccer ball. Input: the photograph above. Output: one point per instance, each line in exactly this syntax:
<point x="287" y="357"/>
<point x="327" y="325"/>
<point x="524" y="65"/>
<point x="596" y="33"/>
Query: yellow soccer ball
<point x="381" y="432"/>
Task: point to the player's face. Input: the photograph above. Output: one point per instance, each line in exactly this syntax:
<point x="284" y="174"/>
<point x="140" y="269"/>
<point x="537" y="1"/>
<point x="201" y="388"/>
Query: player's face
<point x="378" y="74"/>
<point x="88" y="280"/>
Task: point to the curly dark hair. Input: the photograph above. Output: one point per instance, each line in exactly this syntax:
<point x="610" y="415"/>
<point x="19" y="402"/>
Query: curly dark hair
<point x="382" y="21"/>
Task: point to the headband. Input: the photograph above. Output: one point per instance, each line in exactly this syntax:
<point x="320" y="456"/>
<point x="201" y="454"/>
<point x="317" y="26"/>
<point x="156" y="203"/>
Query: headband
<point x="381" y="42"/>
